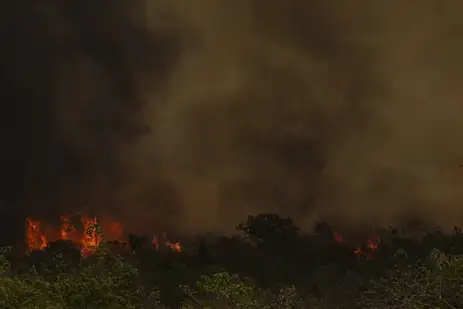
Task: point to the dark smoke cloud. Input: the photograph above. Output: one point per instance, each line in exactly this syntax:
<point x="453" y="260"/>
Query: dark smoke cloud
<point x="314" y="109"/>
<point x="192" y="114"/>
<point x="72" y="85"/>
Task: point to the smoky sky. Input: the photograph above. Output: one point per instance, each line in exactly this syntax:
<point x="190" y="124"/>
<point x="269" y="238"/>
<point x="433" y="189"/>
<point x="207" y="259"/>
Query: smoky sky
<point x="190" y="115"/>
<point x="70" y="87"/>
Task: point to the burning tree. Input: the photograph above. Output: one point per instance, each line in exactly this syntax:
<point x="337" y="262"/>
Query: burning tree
<point x="90" y="239"/>
<point x="35" y="239"/>
<point x="93" y="236"/>
<point x="88" y="233"/>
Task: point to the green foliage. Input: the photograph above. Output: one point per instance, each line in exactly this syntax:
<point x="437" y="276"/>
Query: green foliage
<point x="106" y="282"/>
<point x="436" y="283"/>
<point x="300" y="277"/>
<point x="4" y="263"/>
<point x="222" y="290"/>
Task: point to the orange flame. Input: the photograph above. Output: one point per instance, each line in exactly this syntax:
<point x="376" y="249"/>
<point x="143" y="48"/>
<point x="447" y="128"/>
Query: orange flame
<point x="373" y="243"/>
<point x="34" y="238"/>
<point x="66" y="228"/>
<point x="89" y="237"/>
<point x="92" y="236"/>
<point x="173" y="246"/>
<point x="372" y="246"/>
<point x="358" y="252"/>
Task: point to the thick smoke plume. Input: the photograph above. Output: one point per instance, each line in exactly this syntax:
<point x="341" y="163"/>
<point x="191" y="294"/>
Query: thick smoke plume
<point x="189" y="115"/>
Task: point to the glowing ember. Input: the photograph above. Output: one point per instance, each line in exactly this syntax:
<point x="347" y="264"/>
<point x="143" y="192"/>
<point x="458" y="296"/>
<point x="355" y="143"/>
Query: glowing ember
<point x="173" y="246"/>
<point x="155" y="242"/>
<point x="373" y="243"/>
<point x="372" y="246"/>
<point x="338" y="237"/>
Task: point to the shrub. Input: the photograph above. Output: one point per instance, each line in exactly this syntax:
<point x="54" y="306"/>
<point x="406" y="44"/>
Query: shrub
<point x="106" y="282"/>
<point x="222" y="290"/>
<point x="436" y="283"/>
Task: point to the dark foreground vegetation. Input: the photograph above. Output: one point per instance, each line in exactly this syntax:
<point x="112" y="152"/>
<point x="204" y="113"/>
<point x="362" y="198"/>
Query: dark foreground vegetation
<point x="271" y="266"/>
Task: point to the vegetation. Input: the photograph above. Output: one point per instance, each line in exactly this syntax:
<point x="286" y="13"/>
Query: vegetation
<point x="272" y="267"/>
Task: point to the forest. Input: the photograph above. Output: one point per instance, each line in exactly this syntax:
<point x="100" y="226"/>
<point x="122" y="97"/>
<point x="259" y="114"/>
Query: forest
<point x="195" y="114"/>
<point x="268" y="264"/>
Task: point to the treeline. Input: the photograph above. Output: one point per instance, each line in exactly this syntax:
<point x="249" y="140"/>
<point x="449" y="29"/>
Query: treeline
<point x="271" y="266"/>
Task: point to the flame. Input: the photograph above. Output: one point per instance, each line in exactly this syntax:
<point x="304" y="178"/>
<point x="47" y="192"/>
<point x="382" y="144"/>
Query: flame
<point x="34" y="238"/>
<point x="66" y="230"/>
<point x="89" y="236"/>
<point x="373" y="243"/>
<point x="173" y="246"/>
<point x="92" y="236"/>
<point x="371" y="246"/>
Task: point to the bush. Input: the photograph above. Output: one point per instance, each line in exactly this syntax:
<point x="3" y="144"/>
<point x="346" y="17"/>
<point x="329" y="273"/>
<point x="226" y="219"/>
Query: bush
<point x="107" y="282"/>
<point x="436" y="283"/>
<point x="56" y="278"/>
<point x="222" y="290"/>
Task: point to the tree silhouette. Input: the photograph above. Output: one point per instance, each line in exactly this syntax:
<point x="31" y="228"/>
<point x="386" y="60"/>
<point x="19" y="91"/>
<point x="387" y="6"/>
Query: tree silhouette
<point x="270" y="232"/>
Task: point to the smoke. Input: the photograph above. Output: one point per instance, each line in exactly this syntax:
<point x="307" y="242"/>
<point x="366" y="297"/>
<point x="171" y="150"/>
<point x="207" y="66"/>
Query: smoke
<point x="191" y="115"/>
<point x="73" y="84"/>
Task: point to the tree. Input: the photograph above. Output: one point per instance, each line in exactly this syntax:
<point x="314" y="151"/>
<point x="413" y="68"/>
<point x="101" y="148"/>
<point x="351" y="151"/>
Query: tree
<point x="435" y="283"/>
<point x="222" y="290"/>
<point x="269" y="228"/>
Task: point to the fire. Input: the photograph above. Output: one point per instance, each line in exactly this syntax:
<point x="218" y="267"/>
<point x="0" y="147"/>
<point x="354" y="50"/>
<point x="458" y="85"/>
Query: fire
<point x="34" y="238"/>
<point x="173" y="246"/>
<point x="66" y="228"/>
<point x="372" y="246"/>
<point x="358" y="252"/>
<point x="373" y="243"/>
<point x="89" y="236"/>
<point x="114" y="230"/>
<point x="92" y="236"/>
